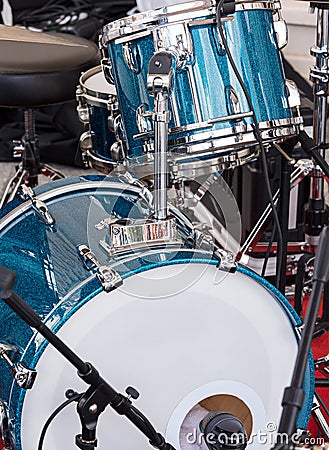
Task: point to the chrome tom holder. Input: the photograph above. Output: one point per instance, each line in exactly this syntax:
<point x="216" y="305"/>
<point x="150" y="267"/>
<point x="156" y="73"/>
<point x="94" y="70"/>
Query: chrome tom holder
<point x="160" y="229"/>
<point x="159" y="84"/>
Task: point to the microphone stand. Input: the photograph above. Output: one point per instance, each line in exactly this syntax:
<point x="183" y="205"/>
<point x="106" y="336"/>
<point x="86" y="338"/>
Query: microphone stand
<point x="294" y="395"/>
<point x="100" y="394"/>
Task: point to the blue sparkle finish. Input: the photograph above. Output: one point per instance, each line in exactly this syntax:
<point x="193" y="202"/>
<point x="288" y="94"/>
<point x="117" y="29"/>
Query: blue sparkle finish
<point x="252" y="42"/>
<point x="102" y="138"/>
<point x="53" y="280"/>
<point x="131" y="88"/>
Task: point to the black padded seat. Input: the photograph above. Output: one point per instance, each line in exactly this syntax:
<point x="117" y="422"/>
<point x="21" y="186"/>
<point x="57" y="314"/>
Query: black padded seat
<point x="39" y="69"/>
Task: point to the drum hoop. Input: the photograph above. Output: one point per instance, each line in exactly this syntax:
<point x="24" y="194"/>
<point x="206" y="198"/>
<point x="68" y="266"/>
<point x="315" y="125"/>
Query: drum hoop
<point x="66" y="186"/>
<point x="90" y="94"/>
<point x="176" y="13"/>
<point x="125" y="273"/>
<point x="224" y="132"/>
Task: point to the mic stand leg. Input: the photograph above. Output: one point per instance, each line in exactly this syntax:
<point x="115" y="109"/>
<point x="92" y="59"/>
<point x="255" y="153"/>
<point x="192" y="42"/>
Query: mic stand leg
<point x="325" y="310"/>
<point x="284" y="216"/>
<point x="293" y="397"/>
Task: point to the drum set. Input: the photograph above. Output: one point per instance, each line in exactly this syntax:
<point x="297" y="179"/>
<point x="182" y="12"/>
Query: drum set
<point x="141" y="271"/>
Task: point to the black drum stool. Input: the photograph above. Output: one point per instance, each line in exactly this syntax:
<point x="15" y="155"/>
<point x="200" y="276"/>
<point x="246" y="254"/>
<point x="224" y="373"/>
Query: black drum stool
<point x="38" y="69"/>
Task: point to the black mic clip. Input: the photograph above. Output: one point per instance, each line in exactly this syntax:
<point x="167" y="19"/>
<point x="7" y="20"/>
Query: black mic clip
<point x="312" y="150"/>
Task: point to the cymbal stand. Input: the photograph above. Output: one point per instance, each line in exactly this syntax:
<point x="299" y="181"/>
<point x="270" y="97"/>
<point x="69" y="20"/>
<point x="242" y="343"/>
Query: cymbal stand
<point x="30" y="167"/>
<point x="317" y="212"/>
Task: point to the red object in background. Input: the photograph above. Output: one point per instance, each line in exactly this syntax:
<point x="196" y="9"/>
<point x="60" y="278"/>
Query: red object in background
<point x="320" y="348"/>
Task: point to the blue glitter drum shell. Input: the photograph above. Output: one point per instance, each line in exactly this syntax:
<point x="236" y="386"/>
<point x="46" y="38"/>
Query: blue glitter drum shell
<point x="205" y="89"/>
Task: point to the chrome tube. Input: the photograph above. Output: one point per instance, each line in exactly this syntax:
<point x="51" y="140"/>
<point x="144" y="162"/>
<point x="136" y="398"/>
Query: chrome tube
<point x="160" y="155"/>
<point x="319" y="76"/>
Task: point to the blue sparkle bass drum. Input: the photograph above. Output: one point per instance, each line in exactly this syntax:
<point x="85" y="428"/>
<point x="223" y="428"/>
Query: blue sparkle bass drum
<point x="211" y="127"/>
<point x="185" y="333"/>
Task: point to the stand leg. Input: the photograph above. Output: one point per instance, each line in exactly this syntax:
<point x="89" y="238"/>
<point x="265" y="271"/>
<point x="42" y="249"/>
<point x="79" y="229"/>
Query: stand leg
<point x="297" y="176"/>
<point x="30" y="167"/>
<point x="50" y="172"/>
<point x="319" y="417"/>
<point x="325" y="310"/>
<point x="317" y="213"/>
<point x="284" y="215"/>
<point x="13" y="185"/>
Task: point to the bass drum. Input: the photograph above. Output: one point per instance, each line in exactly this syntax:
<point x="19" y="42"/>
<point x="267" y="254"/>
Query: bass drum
<point x="182" y="332"/>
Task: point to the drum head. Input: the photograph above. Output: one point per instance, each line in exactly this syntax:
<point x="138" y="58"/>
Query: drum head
<point x="210" y="338"/>
<point x="93" y="81"/>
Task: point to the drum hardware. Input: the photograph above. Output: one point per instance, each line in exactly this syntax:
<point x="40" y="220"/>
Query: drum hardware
<point x="107" y="69"/>
<point x="202" y="189"/>
<point x="226" y="260"/>
<point x="118" y="148"/>
<point x="183" y="165"/>
<point x="144" y="119"/>
<point x="322" y="364"/>
<point x="30" y="167"/>
<point x="317" y="212"/>
<point x="128" y="178"/>
<point x="100" y="393"/>
<point x="312" y="150"/>
<point x="131" y="57"/>
<point x="18" y="148"/>
<point x="294" y="394"/>
<point x="6" y="440"/>
<point x="303" y="168"/>
<point x="159" y="85"/>
<point x="108" y="277"/>
<point x="281" y="30"/>
<point x="321" y="382"/>
<point x="319" y="417"/>
<point x="126" y="235"/>
<point x="86" y="146"/>
<point x="192" y="206"/>
<point x="26" y="193"/>
<point x="23" y="375"/>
